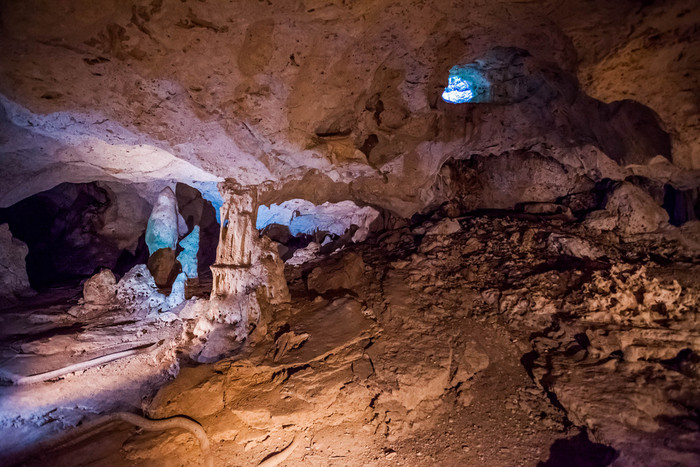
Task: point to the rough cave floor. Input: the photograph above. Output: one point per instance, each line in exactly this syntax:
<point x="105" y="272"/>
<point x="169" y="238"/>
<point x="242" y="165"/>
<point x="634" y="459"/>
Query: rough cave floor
<point x="460" y="344"/>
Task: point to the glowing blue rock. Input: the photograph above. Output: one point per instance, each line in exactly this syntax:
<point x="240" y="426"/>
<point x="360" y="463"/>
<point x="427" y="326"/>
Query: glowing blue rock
<point x="467" y="83"/>
<point x="177" y="293"/>
<point x="457" y="90"/>
<point x="161" y="231"/>
<point x="188" y="255"/>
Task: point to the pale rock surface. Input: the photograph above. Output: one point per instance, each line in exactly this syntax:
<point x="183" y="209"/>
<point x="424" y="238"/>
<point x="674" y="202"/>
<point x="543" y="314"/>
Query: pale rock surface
<point x="304" y="255"/>
<point x="304" y="217"/>
<point x="177" y="293"/>
<point x="137" y="291"/>
<point x="13" y="269"/>
<point x="162" y="229"/>
<point x="574" y="246"/>
<point x="248" y="270"/>
<point x="445" y="227"/>
<point x="630" y="210"/>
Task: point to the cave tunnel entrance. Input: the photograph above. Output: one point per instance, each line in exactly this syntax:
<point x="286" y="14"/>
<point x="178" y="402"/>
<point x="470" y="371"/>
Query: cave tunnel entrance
<point x="75" y="229"/>
<point x="298" y="224"/>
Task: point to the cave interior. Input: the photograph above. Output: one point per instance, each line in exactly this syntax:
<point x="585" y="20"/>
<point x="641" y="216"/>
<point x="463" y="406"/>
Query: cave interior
<point x="350" y="232"/>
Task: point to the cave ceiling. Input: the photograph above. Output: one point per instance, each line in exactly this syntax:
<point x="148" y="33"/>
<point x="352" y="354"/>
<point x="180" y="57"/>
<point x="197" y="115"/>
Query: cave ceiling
<point x="332" y="100"/>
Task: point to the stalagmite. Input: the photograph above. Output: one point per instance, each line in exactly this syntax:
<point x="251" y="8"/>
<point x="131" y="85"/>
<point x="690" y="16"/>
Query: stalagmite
<point x="177" y="294"/>
<point x="247" y="269"/>
<point x="162" y="225"/>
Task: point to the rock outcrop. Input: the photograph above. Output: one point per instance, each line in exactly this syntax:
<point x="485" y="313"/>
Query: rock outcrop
<point x="13" y="270"/>
<point x="278" y="104"/>
<point x="100" y="289"/>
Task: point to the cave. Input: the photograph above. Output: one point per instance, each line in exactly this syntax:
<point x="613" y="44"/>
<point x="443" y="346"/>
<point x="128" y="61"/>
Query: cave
<point x="349" y="233"/>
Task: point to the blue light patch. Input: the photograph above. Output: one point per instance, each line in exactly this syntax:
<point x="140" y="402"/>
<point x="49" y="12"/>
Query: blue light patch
<point x="467" y="83"/>
<point x="188" y="255"/>
<point x="457" y="90"/>
<point x="210" y="192"/>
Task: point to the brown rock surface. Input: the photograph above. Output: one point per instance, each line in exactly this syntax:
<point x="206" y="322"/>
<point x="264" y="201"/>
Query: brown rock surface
<point x="346" y="272"/>
<point x="164" y="267"/>
<point x="282" y="102"/>
<point x="13" y="268"/>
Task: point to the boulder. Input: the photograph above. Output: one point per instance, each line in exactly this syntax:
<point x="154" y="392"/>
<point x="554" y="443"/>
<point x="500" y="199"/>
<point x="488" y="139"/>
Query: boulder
<point x="13" y="269"/>
<point x="445" y="227"/>
<point x="630" y="211"/>
<point x="164" y="267"/>
<point x="137" y="291"/>
<point x="344" y="273"/>
<point x="100" y="289"/>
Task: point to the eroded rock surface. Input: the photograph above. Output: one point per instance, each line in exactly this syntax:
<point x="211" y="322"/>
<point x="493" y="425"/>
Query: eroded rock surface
<point x="13" y="268"/>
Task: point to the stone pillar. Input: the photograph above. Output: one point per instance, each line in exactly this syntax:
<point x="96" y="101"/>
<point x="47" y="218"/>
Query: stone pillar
<point x="247" y="269"/>
<point x="237" y="247"/>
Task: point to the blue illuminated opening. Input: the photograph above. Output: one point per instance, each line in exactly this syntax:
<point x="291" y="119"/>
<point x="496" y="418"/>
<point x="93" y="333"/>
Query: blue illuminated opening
<point x="457" y="90"/>
<point x="467" y="83"/>
<point x="305" y="217"/>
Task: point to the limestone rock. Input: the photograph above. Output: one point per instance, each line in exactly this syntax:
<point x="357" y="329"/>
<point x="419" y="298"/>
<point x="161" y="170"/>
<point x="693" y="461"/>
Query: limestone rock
<point x="276" y="286"/>
<point x="137" y="291"/>
<point x="177" y="293"/>
<point x="633" y="212"/>
<point x="13" y="269"/>
<point x="100" y="289"/>
<point x="304" y="217"/>
<point x="303" y="255"/>
<point x="573" y="246"/>
<point x="162" y="230"/>
<point x="164" y="267"/>
<point x="445" y="227"/>
<point x="345" y="273"/>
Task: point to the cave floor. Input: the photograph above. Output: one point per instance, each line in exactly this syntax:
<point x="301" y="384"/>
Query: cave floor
<point x="492" y="345"/>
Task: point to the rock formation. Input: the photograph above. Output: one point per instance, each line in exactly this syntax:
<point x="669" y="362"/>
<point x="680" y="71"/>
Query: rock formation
<point x="188" y="256"/>
<point x="13" y="271"/>
<point x="162" y="230"/>
<point x="247" y="268"/>
<point x="100" y="289"/>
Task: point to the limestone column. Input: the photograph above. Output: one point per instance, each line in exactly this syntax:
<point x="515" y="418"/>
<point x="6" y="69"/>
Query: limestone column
<point x="238" y="246"/>
<point x="247" y="268"/>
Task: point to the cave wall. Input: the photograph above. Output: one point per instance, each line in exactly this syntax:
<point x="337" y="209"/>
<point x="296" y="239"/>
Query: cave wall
<point x="73" y="230"/>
